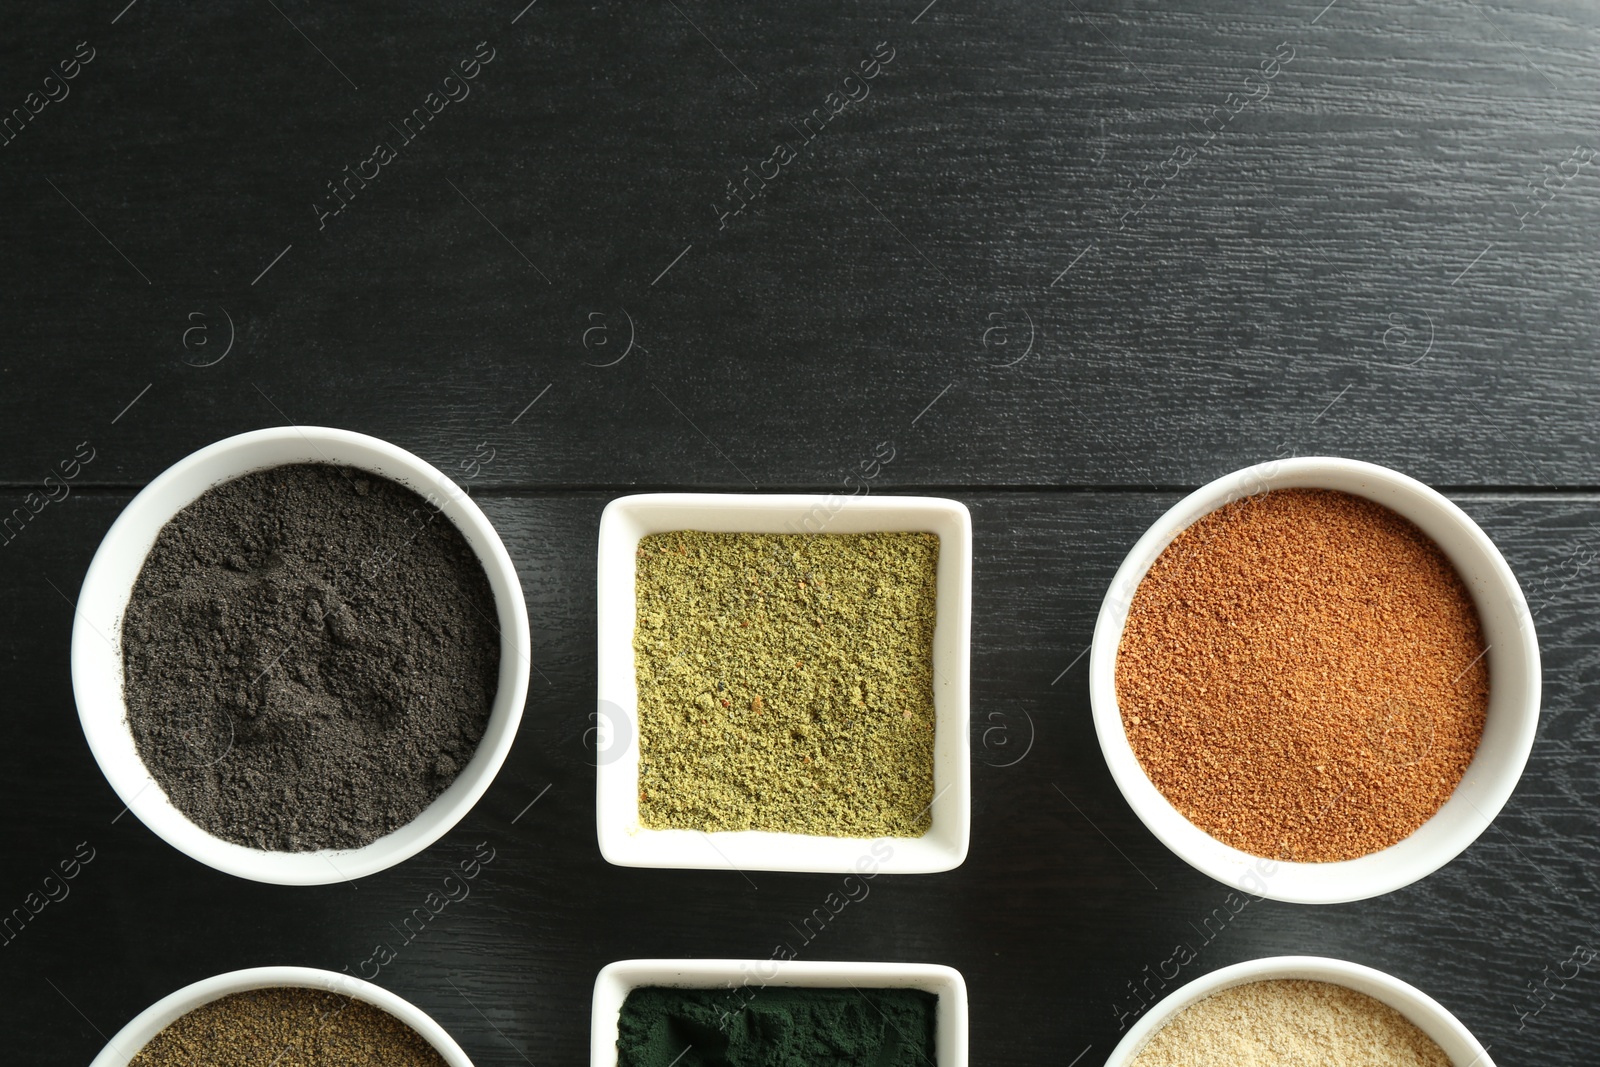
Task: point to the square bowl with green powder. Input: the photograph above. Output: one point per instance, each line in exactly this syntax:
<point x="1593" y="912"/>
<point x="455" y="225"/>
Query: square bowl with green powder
<point x="711" y="1013"/>
<point x="783" y="683"/>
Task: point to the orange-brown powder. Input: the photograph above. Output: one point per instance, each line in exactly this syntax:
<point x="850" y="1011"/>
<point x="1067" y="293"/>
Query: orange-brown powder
<point x="1302" y="674"/>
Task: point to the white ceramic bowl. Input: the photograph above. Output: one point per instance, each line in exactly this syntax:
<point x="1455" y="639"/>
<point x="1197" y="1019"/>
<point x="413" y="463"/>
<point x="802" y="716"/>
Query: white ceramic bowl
<point x="1427" y="1014"/>
<point x="616" y="979"/>
<point x="1513" y="713"/>
<point x="623" y="841"/>
<point x="150" y="1022"/>
<point x="97" y="649"/>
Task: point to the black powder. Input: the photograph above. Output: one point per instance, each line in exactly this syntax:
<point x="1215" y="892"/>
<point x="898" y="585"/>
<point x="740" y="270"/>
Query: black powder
<point x="309" y="655"/>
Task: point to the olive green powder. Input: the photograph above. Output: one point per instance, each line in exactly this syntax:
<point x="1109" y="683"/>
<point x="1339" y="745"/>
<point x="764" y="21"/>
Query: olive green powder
<point x="786" y="682"/>
<point x="777" y="1026"/>
<point x="287" y="1026"/>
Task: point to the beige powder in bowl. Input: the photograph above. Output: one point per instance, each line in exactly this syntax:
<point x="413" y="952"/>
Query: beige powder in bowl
<point x="1290" y="1023"/>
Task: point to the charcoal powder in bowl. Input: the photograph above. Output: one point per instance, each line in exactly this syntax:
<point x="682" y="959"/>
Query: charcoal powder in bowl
<point x="310" y="655"/>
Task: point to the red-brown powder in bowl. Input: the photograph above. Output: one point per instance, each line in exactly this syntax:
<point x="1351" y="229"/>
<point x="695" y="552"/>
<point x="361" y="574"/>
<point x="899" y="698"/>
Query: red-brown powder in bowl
<point x="1302" y="675"/>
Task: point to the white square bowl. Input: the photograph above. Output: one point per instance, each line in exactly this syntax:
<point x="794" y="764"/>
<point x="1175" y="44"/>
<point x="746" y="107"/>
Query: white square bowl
<point x="623" y="841"/>
<point x="616" y="979"/>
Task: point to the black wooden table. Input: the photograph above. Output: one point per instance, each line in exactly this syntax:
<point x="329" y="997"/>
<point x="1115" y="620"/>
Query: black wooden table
<point x="1066" y="261"/>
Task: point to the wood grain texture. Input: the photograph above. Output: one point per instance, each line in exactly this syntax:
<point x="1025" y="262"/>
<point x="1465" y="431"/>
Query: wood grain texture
<point x="1064" y="900"/>
<point x="1340" y="268"/>
<point x="1311" y="250"/>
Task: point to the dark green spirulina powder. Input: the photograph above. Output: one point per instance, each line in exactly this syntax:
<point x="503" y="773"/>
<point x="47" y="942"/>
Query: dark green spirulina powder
<point x="786" y="682"/>
<point x="776" y="1026"/>
<point x="309" y="657"/>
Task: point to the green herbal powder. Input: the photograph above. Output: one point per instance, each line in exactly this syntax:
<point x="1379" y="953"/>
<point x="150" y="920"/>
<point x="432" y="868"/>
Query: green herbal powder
<point x="786" y="682"/>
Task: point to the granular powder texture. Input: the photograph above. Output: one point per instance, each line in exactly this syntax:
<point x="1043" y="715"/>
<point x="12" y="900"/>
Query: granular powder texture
<point x="1302" y="675"/>
<point x="1290" y="1023"/>
<point x="309" y="657"/>
<point x="777" y="1026"/>
<point x="786" y="682"/>
<point x="287" y="1026"/>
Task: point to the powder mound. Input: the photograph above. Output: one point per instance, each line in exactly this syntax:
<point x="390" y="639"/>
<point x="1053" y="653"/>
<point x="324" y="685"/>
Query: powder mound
<point x="287" y="1026"/>
<point x="1302" y="674"/>
<point x="786" y="682"/>
<point x="1290" y="1023"/>
<point x="309" y="658"/>
<point x="776" y="1026"/>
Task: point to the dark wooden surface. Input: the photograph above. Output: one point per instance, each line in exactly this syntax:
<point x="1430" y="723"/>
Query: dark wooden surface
<point x="1342" y="269"/>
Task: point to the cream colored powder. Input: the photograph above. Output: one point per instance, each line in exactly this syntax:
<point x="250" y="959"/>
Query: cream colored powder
<point x="1290" y="1023"/>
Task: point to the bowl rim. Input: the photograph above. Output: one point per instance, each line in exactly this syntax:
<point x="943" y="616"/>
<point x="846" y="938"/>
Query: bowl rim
<point x="1427" y="1014"/>
<point x="624" y="843"/>
<point x="1338" y="881"/>
<point x="103" y="714"/>
<point x="616" y="979"/>
<point x="139" y="1030"/>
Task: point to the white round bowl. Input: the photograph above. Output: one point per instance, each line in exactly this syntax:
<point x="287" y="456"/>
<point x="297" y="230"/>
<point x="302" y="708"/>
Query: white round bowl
<point x="1427" y="1014"/>
<point x="97" y="649"/>
<point x="150" y="1022"/>
<point x="1513" y="712"/>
